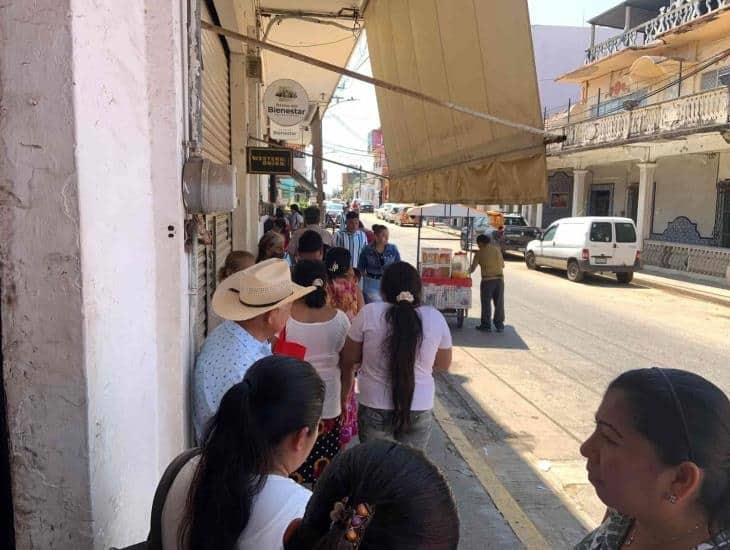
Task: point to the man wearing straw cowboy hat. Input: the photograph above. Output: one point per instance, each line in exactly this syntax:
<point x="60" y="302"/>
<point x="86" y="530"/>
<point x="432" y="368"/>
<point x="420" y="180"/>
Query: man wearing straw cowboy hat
<point x="255" y="304"/>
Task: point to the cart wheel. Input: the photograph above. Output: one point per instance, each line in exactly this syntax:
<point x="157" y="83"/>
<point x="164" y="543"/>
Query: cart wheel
<point x="459" y="318"/>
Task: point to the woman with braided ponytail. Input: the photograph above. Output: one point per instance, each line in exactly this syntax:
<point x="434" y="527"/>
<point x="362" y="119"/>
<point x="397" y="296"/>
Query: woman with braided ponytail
<point x="399" y="343"/>
<point x="378" y="496"/>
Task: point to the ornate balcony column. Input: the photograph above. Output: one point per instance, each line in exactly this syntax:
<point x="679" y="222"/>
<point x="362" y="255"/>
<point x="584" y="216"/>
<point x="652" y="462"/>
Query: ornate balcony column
<point x="646" y="199"/>
<point x="580" y="191"/>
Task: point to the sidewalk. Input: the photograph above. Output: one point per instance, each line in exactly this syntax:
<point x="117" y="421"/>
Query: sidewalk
<point x="481" y="523"/>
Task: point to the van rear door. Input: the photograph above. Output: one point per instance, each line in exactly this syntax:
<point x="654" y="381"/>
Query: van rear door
<point x="601" y="244"/>
<point x="625" y="242"/>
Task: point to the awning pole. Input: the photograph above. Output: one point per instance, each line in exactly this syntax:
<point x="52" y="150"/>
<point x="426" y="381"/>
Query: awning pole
<point x="375" y="81"/>
<point x="317" y="161"/>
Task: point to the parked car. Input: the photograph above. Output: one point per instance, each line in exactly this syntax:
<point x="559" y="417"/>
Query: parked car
<point x="366" y="207"/>
<point x="404" y="218"/>
<point x="379" y="212"/>
<point x="333" y="213"/>
<point x="510" y="231"/>
<point x="588" y="245"/>
<point x="393" y="213"/>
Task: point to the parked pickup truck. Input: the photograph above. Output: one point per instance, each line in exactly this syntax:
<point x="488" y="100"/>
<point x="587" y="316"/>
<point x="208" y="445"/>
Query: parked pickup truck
<point x="513" y="236"/>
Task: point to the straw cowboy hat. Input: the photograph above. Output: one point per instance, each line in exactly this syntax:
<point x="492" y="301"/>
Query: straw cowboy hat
<point x="256" y="290"/>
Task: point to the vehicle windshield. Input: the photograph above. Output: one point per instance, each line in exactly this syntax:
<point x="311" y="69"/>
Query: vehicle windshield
<point x="515" y="221"/>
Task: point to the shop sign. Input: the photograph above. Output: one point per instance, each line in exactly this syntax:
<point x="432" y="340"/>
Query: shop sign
<point x="269" y="160"/>
<point x="299" y="135"/>
<point x="286" y="102"/>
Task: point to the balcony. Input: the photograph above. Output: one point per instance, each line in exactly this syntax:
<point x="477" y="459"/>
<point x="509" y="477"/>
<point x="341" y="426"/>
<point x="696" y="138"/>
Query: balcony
<point x="693" y="113"/>
<point x="678" y="14"/>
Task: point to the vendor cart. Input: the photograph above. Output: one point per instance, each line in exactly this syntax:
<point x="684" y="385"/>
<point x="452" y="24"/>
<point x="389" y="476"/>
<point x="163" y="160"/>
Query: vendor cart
<point x="445" y="274"/>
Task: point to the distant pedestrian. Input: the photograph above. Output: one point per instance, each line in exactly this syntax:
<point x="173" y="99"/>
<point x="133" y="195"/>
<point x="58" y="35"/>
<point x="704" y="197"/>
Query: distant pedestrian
<point x="352" y="237"/>
<point x="489" y="258"/>
<point x="271" y="245"/>
<point x="310" y="247"/>
<point x="236" y="261"/>
<point x="296" y="220"/>
<point x="311" y="222"/>
<point x="374" y="258"/>
<point x="400" y="343"/>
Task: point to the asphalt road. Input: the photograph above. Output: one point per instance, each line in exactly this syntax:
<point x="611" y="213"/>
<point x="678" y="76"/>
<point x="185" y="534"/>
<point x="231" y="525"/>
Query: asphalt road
<point x="526" y="398"/>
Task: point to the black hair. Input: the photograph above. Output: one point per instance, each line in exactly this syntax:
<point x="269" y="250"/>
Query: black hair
<point x="278" y="397"/>
<point x="311" y="215"/>
<point x="405" y="333"/>
<point x="352" y="215"/>
<point x="280" y="223"/>
<point x="378" y="229"/>
<point x="310" y="241"/>
<point x="294" y="208"/>
<point x="686" y="418"/>
<point x="412" y="505"/>
<point x="308" y="273"/>
<point x="484" y="239"/>
<point x="279" y="213"/>
<point x="337" y="261"/>
<point x="268" y="225"/>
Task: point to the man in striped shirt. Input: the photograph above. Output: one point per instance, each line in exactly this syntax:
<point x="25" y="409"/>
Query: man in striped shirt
<point x="352" y="237"/>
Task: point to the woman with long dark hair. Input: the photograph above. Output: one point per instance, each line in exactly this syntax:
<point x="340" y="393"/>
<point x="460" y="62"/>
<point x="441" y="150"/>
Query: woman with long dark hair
<point x="375" y="496"/>
<point x="321" y="329"/>
<point x="240" y="495"/>
<point x="659" y="459"/>
<point x="399" y="343"/>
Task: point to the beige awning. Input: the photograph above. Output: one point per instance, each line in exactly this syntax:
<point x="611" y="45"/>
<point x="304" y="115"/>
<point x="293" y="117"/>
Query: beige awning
<point x="475" y="53"/>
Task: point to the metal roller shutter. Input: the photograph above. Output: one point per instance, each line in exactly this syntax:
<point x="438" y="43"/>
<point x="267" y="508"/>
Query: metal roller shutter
<point x="216" y="114"/>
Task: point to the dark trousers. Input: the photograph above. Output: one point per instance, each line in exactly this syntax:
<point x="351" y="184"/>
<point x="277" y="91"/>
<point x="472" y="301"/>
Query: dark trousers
<point x="492" y="290"/>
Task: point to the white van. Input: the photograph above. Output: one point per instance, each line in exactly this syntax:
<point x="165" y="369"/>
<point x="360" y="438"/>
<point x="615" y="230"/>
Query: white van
<point x="588" y="245"/>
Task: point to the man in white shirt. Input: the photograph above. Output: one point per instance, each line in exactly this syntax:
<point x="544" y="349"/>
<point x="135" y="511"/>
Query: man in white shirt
<point x="352" y="237"/>
<point x="296" y="220"/>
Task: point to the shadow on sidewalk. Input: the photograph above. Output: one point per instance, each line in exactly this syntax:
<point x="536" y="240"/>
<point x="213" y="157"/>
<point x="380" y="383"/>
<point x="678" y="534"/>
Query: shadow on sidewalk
<point x="468" y="336"/>
<point x="500" y="447"/>
<point x="595" y="280"/>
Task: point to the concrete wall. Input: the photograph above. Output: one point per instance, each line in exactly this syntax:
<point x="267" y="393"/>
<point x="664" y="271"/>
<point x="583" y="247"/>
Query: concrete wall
<point x="94" y="306"/>
<point x="686" y="186"/>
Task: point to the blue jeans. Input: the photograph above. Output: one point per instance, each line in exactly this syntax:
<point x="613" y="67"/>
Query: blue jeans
<point x="378" y="424"/>
<point x="371" y="290"/>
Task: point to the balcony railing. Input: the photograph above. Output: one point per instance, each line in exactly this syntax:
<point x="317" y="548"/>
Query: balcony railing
<point x="679" y="13"/>
<point x="692" y="112"/>
<point x="703" y="260"/>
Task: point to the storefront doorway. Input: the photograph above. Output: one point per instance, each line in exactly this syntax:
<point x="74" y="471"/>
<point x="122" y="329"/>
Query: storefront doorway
<point x="601" y="200"/>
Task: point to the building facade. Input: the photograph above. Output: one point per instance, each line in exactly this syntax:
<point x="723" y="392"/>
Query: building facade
<point x="650" y="137"/>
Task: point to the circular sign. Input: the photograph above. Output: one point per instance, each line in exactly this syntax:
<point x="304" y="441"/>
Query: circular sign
<point x="286" y="102"/>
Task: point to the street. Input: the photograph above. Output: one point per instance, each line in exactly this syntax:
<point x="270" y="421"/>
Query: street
<point x="525" y="399"/>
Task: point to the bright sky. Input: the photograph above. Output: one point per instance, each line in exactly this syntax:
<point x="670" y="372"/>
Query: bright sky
<point x="346" y="126"/>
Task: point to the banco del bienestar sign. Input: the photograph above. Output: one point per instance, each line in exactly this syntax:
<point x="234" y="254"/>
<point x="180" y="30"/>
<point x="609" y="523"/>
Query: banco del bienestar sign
<point x="286" y="102"/>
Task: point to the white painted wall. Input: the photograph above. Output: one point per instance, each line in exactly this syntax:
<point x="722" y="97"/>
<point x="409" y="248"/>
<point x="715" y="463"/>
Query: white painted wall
<point x="686" y="186"/>
<point x="94" y="289"/>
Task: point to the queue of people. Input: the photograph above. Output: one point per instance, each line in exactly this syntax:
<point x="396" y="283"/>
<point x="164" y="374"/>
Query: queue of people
<point x="277" y="465"/>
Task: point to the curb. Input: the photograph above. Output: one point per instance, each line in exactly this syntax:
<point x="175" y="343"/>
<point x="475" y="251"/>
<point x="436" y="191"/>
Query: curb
<point x="686" y="292"/>
<point x="521" y="525"/>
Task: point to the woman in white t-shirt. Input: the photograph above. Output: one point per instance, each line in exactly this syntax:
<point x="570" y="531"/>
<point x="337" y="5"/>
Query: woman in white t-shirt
<point x="237" y="495"/>
<point x="322" y="330"/>
<point x="399" y="343"/>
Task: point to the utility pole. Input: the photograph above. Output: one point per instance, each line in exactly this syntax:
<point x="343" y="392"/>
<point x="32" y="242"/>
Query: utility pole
<point x="317" y="161"/>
